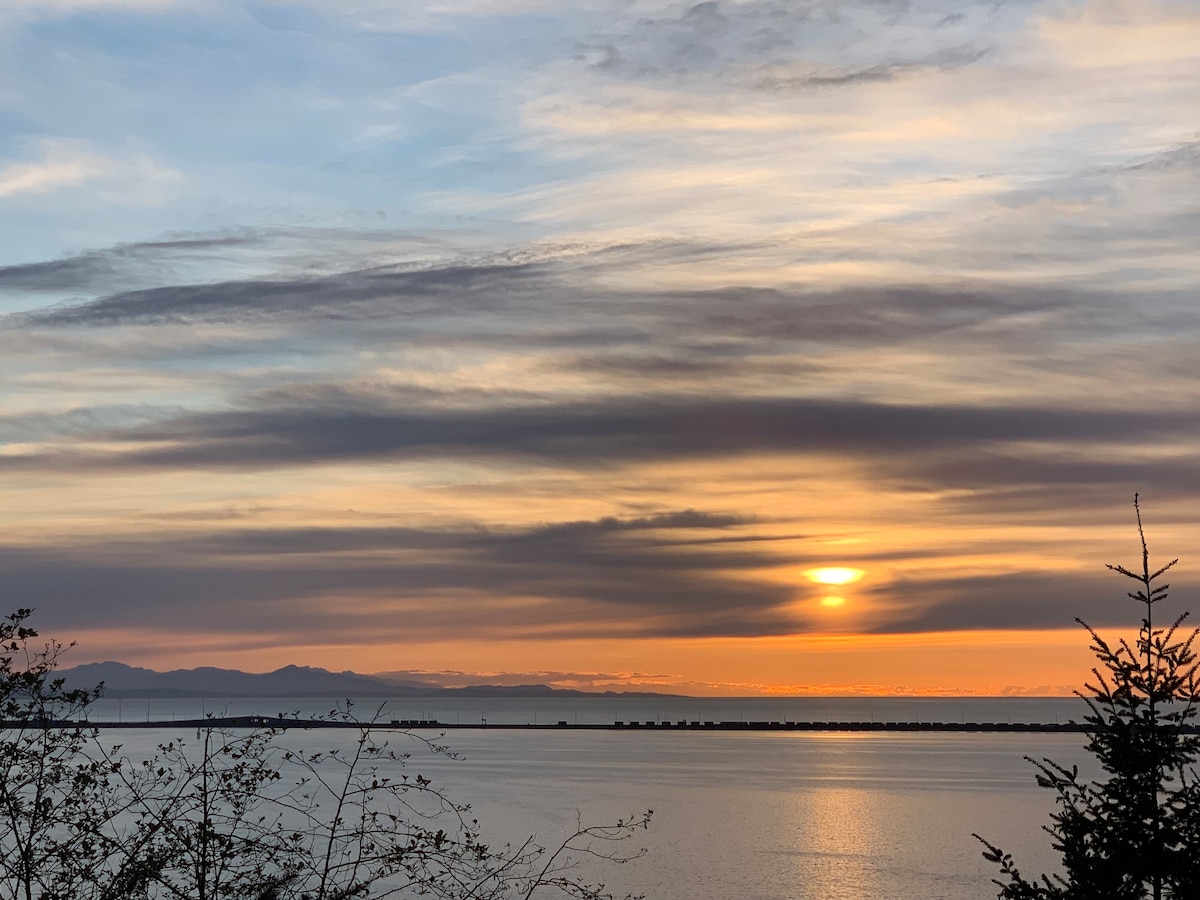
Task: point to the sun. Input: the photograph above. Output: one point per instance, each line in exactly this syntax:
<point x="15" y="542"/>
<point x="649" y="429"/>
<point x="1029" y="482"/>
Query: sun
<point x="834" y="575"/>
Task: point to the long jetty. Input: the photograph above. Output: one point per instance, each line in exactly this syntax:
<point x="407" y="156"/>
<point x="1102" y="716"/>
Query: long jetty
<point x="638" y="727"/>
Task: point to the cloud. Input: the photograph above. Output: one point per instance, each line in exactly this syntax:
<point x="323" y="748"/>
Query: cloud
<point x="609" y="578"/>
<point x="34" y="427"/>
<point x="363" y="294"/>
<point x="941" y="61"/>
<point x="534" y="358"/>
<point x="558" y="297"/>
<point x="731" y="40"/>
<point x="1120" y="34"/>
<point x="589" y="681"/>
<point x="1002" y="601"/>
<point x="868" y="130"/>
<point x="98" y="270"/>
<point x="571" y="579"/>
<point x="63" y="164"/>
<point x="592" y="433"/>
<point x="688" y="518"/>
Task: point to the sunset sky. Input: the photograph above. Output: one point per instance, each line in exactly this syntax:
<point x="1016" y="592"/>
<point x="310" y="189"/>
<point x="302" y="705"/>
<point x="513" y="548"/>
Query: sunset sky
<point x="726" y="347"/>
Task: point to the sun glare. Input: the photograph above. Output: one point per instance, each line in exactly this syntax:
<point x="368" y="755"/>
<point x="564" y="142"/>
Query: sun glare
<point x="834" y="575"/>
<point x="833" y="602"/>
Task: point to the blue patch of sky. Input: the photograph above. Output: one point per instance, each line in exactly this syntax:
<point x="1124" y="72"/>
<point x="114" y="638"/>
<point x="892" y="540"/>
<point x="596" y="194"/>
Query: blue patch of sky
<point x="15" y="126"/>
<point x="309" y="359"/>
<point x="198" y="88"/>
<point x="284" y="115"/>
<point x="288" y="89"/>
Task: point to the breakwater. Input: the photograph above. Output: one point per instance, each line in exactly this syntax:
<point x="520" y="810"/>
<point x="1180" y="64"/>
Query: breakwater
<point x="287" y="722"/>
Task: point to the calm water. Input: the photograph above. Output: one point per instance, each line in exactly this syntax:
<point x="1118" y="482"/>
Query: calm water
<point x="818" y="817"/>
<point x="757" y="816"/>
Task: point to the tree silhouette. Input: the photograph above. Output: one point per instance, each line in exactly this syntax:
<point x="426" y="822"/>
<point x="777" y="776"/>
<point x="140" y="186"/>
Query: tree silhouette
<point x="242" y="815"/>
<point x="1135" y="833"/>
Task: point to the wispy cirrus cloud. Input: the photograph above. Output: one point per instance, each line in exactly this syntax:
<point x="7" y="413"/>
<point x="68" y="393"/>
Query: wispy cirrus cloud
<point x="56" y="165"/>
<point x="59" y="165"/>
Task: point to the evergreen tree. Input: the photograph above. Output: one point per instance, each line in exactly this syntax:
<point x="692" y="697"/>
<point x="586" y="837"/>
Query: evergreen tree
<point x="1134" y="833"/>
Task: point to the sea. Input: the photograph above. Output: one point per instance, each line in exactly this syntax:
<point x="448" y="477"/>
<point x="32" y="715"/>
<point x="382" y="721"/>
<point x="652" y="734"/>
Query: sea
<point x="753" y="815"/>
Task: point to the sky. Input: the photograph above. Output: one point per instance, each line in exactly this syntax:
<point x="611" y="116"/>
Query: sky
<point x="732" y="347"/>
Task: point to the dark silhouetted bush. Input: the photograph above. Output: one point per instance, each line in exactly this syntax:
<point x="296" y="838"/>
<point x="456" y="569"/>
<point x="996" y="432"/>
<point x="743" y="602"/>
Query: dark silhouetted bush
<point x="241" y="815"/>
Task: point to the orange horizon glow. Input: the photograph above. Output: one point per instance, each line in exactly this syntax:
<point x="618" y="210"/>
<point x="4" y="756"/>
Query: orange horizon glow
<point x="929" y="664"/>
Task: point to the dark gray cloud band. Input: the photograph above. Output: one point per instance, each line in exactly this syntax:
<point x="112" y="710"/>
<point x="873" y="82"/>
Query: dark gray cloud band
<point x="630" y="430"/>
<point x="559" y="303"/>
<point x="666" y="357"/>
<point x="620" y="577"/>
<point x="603" y="578"/>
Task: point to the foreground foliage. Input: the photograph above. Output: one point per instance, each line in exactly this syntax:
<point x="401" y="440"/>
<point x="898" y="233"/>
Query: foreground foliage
<point x="1135" y="833"/>
<point x="239" y="814"/>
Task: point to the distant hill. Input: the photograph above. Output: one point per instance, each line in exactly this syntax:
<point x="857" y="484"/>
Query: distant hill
<point x="121" y="680"/>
